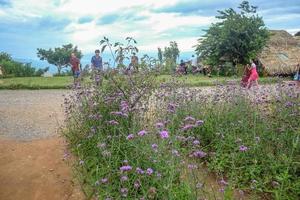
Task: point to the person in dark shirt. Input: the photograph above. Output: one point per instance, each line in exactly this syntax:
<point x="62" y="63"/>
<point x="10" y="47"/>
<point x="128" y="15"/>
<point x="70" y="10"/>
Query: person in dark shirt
<point x="134" y="62"/>
<point x="75" y="66"/>
<point x="97" y="66"/>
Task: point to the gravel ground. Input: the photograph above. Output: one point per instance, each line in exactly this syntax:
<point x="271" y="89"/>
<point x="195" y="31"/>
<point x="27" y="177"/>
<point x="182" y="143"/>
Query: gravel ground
<point x="30" y="114"/>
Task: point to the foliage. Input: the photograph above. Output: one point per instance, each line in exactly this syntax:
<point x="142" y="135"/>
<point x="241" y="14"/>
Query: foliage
<point x="12" y="68"/>
<point x="119" y="51"/>
<point x="297" y="34"/>
<point x="59" y="56"/>
<point x="5" y="57"/>
<point x="168" y="57"/>
<point x="238" y="37"/>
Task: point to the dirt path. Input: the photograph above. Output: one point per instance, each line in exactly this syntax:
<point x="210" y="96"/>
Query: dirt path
<point x="32" y="164"/>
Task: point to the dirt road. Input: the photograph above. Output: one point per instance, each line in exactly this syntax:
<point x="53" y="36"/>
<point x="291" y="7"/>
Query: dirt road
<point x="32" y="161"/>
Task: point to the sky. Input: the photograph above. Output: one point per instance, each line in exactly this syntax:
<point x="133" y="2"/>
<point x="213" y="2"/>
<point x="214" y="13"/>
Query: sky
<point x="26" y="25"/>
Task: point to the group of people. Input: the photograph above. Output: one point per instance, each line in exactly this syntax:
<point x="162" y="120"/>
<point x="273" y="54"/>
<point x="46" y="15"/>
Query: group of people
<point x="97" y="65"/>
<point x="195" y="67"/>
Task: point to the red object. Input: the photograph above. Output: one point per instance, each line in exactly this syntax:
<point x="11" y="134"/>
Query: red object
<point x="246" y="77"/>
<point x="253" y="74"/>
<point x="75" y="63"/>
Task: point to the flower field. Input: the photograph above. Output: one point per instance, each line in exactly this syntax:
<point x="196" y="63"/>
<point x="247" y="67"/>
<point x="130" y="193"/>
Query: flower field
<point x="134" y="138"/>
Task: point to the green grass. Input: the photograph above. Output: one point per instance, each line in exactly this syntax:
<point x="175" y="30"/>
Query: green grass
<point x="36" y="82"/>
<point x="64" y="82"/>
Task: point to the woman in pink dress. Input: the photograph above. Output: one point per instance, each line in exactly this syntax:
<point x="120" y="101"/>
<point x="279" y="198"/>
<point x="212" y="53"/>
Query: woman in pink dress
<point x="253" y="75"/>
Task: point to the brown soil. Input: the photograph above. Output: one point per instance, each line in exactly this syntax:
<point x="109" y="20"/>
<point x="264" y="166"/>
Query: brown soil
<point x="32" y="165"/>
<point x="35" y="170"/>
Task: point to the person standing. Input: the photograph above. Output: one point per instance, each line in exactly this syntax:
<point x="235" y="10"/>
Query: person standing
<point x="253" y="75"/>
<point x="75" y="66"/>
<point x="97" y="66"/>
<point x="134" y="62"/>
<point x="194" y="63"/>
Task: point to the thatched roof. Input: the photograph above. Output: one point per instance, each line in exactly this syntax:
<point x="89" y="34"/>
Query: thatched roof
<point x="282" y="53"/>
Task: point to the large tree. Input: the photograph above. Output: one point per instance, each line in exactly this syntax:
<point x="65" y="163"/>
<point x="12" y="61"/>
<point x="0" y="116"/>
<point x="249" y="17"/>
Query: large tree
<point x="59" y="56"/>
<point x="238" y="37"/>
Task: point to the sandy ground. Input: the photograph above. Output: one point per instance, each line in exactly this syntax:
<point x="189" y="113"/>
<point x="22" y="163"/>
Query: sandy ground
<point x="32" y="164"/>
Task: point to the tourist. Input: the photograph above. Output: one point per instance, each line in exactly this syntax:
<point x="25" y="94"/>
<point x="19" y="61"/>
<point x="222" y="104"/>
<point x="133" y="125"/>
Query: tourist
<point x="97" y="67"/>
<point x="253" y="76"/>
<point x="183" y="67"/>
<point x="134" y="62"/>
<point x="75" y="66"/>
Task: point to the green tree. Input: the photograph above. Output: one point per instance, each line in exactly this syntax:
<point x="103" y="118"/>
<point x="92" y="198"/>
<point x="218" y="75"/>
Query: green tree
<point x="59" y="56"/>
<point x="5" y="56"/>
<point x="237" y="38"/>
<point x="171" y="52"/>
<point x="170" y="55"/>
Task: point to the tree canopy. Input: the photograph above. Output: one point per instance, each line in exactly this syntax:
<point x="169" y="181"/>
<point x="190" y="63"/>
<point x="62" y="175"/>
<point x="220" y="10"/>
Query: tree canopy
<point x="59" y="56"/>
<point x="171" y="53"/>
<point x="237" y="37"/>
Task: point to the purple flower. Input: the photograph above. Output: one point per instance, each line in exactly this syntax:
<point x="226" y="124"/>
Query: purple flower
<point x="142" y="133"/>
<point x="164" y="134"/>
<point x="137" y="184"/>
<point x="139" y="170"/>
<point x="118" y="113"/>
<point x="171" y="107"/>
<point x="196" y="142"/>
<point x="158" y="175"/>
<point x="125" y="168"/>
<point x="199" y="123"/>
<point x="223" y="182"/>
<point x="130" y="137"/>
<point x="154" y="147"/>
<point x="243" y="148"/>
<point x="124" y="106"/>
<point x="199" y="154"/>
<point x="113" y="122"/>
<point x="104" y="180"/>
<point x="189" y="119"/>
<point x="124" y="192"/>
<point x="159" y="125"/>
<point x="149" y="171"/>
<point x="187" y="127"/>
<point x="124" y="178"/>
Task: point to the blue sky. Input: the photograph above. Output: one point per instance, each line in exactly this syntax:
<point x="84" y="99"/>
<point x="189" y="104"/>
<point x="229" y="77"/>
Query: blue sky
<point x="30" y="24"/>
